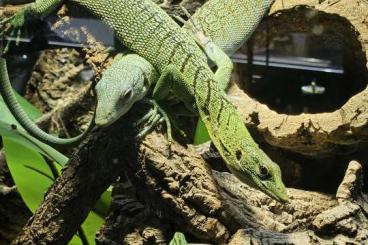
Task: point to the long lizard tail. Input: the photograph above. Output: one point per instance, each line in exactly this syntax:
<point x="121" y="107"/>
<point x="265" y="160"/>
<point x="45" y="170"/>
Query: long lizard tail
<point x="23" y="119"/>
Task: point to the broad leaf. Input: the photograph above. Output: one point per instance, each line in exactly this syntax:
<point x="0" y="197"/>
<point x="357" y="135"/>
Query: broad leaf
<point x="32" y="174"/>
<point x="18" y="134"/>
<point x="33" y="177"/>
<point x="29" y="170"/>
<point x="6" y="115"/>
<point x="7" y="122"/>
<point x="103" y="204"/>
<point x="178" y="239"/>
<point x="201" y="134"/>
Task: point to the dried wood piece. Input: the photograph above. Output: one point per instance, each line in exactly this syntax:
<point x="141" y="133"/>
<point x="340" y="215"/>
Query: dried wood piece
<point x="260" y="237"/>
<point x="93" y="167"/>
<point x="242" y="206"/>
<point x="351" y="186"/>
<point x="340" y="224"/>
<point x="325" y="133"/>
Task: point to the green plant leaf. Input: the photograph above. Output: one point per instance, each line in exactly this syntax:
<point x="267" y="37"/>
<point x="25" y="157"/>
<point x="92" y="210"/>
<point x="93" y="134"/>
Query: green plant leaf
<point x="29" y="170"/>
<point x="103" y="204"/>
<point x="201" y="134"/>
<point x="19" y="134"/>
<point x="33" y="177"/>
<point x="31" y="111"/>
<point x="22" y="137"/>
<point x="91" y="225"/>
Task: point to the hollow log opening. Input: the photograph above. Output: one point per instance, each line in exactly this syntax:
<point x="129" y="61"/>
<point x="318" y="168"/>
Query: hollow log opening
<point x="302" y="60"/>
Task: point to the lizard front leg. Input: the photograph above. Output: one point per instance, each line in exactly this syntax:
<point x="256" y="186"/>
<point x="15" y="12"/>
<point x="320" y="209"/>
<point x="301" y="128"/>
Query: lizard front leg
<point x="161" y="91"/>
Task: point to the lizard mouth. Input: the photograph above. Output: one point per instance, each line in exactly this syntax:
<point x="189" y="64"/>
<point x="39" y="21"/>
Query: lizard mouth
<point x="279" y="194"/>
<point x="105" y="121"/>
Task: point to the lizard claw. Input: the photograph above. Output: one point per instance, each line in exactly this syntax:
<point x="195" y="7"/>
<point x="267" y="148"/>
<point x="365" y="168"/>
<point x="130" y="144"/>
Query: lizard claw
<point x="12" y="25"/>
<point x="154" y="117"/>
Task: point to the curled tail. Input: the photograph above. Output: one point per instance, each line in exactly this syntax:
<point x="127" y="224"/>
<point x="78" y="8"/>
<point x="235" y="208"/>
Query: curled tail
<point x="23" y="119"/>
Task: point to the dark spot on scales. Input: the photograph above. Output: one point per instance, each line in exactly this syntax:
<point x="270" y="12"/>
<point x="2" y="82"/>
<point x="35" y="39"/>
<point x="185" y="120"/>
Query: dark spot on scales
<point x="238" y="155"/>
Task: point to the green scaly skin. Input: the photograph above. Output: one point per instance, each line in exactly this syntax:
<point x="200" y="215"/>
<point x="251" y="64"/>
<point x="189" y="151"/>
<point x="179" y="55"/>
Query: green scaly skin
<point x="115" y="96"/>
<point x="184" y="71"/>
<point x="228" y="24"/>
<point x="125" y="82"/>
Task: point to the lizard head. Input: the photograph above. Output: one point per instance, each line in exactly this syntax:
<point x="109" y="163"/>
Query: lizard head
<point x="121" y="85"/>
<point x="257" y="170"/>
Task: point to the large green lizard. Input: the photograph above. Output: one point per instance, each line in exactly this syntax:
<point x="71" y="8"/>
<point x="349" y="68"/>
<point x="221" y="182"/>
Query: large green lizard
<point x="149" y="32"/>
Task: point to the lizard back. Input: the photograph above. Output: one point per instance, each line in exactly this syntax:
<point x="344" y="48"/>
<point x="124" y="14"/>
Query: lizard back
<point x="146" y="29"/>
<point x="229" y="23"/>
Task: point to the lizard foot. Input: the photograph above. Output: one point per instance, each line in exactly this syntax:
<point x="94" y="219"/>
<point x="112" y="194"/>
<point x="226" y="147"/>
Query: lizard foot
<point x="153" y="118"/>
<point x="13" y="25"/>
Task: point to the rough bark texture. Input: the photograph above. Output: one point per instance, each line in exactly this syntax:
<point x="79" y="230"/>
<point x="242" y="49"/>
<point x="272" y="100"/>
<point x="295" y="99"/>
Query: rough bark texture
<point x="159" y="193"/>
<point x="94" y="166"/>
<point x="225" y="205"/>
<point x="13" y="212"/>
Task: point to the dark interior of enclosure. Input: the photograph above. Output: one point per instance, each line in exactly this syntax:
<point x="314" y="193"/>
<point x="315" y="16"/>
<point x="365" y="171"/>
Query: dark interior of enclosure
<point x="303" y="60"/>
<point x="323" y="174"/>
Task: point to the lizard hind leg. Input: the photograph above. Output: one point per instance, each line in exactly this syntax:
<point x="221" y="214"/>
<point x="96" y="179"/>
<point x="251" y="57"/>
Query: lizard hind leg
<point x="10" y="26"/>
<point x="213" y="52"/>
<point x="31" y="11"/>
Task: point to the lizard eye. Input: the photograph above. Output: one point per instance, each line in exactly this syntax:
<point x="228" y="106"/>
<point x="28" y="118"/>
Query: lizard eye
<point x="264" y="174"/>
<point x="127" y="95"/>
